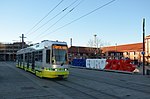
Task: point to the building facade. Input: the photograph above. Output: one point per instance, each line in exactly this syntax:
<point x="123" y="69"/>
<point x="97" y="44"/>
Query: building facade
<point x="128" y="51"/>
<point x="147" y="49"/>
<point x="131" y="51"/>
<point x="8" y="50"/>
<point x="78" y="52"/>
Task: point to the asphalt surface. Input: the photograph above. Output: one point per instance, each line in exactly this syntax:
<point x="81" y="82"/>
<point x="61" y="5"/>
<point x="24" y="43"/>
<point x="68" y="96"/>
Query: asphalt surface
<point x="81" y="84"/>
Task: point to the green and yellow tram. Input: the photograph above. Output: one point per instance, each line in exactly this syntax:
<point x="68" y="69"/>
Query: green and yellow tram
<point x="46" y="59"/>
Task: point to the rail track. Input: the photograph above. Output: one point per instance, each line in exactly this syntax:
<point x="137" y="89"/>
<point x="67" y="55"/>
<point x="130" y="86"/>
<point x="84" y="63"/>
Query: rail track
<point x="86" y="84"/>
<point x="116" y="82"/>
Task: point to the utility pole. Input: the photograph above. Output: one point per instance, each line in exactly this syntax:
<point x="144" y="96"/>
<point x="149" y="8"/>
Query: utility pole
<point x="143" y="46"/>
<point x="22" y="37"/>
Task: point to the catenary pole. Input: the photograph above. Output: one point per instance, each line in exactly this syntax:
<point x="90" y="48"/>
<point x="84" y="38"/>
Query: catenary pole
<point x="22" y="37"/>
<point x="143" y="46"/>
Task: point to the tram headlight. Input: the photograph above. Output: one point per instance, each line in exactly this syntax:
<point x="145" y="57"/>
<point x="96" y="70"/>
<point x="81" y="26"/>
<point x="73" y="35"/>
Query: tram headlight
<point x="66" y="69"/>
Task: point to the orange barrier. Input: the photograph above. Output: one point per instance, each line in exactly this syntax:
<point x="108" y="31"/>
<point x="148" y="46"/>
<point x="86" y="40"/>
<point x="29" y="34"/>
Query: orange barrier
<point x="123" y="65"/>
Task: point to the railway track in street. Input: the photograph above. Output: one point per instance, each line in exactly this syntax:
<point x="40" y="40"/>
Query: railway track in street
<point x="91" y="92"/>
<point x="115" y="82"/>
<point x="81" y="84"/>
<point x="121" y="85"/>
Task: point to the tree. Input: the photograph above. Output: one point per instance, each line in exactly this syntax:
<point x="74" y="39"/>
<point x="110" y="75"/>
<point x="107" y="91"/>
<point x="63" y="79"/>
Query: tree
<point x="96" y="44"/>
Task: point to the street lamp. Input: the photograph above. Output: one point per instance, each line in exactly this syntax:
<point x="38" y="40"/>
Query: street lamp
<point x="95" y="40"/>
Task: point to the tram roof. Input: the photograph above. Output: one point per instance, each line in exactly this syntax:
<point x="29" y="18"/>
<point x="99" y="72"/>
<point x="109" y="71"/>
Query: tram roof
<point x="39" y="46"/>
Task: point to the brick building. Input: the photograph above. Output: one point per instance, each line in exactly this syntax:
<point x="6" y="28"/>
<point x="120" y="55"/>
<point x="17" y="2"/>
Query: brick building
<point x="83" y="52"/>
<point x="132" y="51"/>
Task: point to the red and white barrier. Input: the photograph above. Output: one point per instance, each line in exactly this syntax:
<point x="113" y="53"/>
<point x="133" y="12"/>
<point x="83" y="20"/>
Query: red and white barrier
<point x="122" y="65"/>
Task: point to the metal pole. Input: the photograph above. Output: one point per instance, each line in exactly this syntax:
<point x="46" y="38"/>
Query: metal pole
<point x="95" y="45"/>
<point x="22" y="37"/>
<point x="143" y="46"/>
<point x="22" y="40"/>
<point x="70" y="42"/>
<point x="95" y="40"/>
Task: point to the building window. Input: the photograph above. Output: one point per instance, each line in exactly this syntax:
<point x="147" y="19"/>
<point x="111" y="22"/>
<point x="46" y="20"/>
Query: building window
<point x="134" y="58"/>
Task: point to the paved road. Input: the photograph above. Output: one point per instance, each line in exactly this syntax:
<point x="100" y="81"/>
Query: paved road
<point x="81" y="84"/>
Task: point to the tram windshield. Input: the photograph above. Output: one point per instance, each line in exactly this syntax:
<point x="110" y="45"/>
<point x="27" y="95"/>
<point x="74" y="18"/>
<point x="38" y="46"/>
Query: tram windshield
<point x="59" y="54"/>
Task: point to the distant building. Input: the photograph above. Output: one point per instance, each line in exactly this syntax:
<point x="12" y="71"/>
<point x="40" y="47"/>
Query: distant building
<point x="8" y="50"/>
<point x="127" y="51"/>
<point x="132" y="51"/>
<point x="83" y="52"/>
<point x="147" y="48"/>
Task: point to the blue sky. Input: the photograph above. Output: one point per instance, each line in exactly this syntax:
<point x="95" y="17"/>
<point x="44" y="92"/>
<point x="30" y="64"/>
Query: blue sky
<point x="119" y="22"/>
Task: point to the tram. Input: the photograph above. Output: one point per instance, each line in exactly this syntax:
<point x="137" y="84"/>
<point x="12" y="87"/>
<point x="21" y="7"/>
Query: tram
<point x="47" y="59"/>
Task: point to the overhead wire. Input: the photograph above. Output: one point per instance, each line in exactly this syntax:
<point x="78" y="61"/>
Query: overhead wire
<point x="100" y="7"/>
<point x="55" y="16"/>
<point x="84" y="15"/>
<point x="44" y="17"/>
<point x="59" y="19"/>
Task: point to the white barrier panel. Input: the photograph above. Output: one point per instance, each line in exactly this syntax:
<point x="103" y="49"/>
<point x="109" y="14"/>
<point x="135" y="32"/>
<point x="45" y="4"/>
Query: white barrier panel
<point x="102" y="63"/>
<point x="96" y="63"/>
<point x="90" y="63"/>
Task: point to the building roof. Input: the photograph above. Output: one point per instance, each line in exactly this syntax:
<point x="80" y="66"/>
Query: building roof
<point x="79" y="49"/>
<point x="123" y="48"/>
<point x="147" y="37"/>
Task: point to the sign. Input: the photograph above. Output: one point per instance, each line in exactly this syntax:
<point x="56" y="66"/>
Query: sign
<point x="142" y="53"/>
<point x="59" y="47"/>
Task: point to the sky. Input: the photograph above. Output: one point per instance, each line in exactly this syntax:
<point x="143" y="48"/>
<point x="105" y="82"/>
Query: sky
<point x="119" y="22"/>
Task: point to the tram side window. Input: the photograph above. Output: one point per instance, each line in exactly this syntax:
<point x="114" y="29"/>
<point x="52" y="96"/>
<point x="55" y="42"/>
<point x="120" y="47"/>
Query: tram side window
<point x="21" y="57"/>
<point x="47" y="56"/>
<point x="26" y="60"/>
<point x="38" y="56"/>
<point x="30" y="58"/>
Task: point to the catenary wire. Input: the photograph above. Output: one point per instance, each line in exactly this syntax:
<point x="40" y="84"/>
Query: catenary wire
<point x="81" y="17"/>
<point x="84" y="15"/>
<point x="59" y="20"/>
<point x="54" y="16"/>
<point x="44" y="17"/>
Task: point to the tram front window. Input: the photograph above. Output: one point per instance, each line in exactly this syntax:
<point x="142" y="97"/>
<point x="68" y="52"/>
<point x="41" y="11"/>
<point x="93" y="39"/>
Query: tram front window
<point x="59" y="55"/>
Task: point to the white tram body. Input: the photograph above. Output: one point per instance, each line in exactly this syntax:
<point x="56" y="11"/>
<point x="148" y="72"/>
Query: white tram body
<point x="46" y="59"/>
